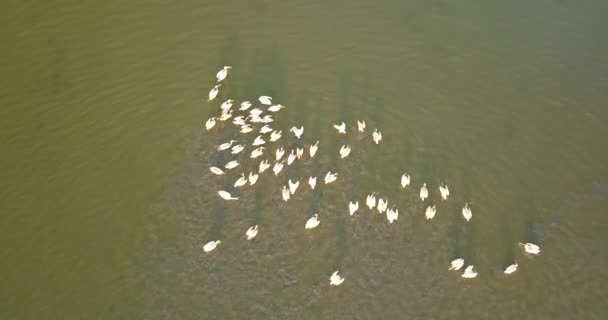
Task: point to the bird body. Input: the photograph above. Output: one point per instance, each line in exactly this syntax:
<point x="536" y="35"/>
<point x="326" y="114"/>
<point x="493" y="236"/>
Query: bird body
<point x="285" y="193"/>
<point x="216" y="170"/>
<point x="405" y="180"/>
<point x="277" y="168"/>
<point x="313" y="149"/>
<point x="512" y="268"/>
<point x="240" y="181"/>
<point x="361" y="125"/>
<point x="265" y="129"/>
<point x="330" y="177"/>
<point x="226" y="105"/>
<point x="264" y="165"/>
<point x="258" y="141"/>
<point x="377" y="136"/>
<point x="340" y="127"/>
<point x="466" y="212"/>
<point x="253" y="178"/>
<point x="214" y="91"/>
<point x="226" y="195"/>
<point x="221" y="75"/>
<point x="344" y="151"/>
<point x="231" y="165"/>
<point x="225" y="116"/>
<point x="265" y="100"/>
<point x="257" y="152"/>
<point x="445" y="192"/>
<point x="456" y="264"/>
<point x="297" y="131"/>
<point x="382" y="205"/>
<point x="210" y="123"/>
<point x="313" y="222"/>
<point x="275" y="135"/>
<point x="353" y="207"/>
<point x="424" y="192"/>
<point x="252" y="232"/>
<point x="237" y="149"/>
<point x="275" y="108"/>
<point x="293" y="186"/>
<point x="210" y="246"/>
<point x="370" y="201"/>
<point x="299" y="152"/>
<point x="530" y="248"/>
<point x="279" y="153"/>
<point x="469" y="273"/>
<point x="245" y="105"/>
<point x="392" y="215"/>
<point x="291" y="158"/>
<point x="312" y="181"/>
<point x="335" y="279"/>
<point x="246" y="128"/>
<point x="430" y="212"/>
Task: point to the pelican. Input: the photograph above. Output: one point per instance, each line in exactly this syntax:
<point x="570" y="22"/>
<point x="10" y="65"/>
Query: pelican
<point x="469" y="273"/>
<point x="241" y="181"/>
<point x="285" y="193"/>
<point x="456" y="264"/>
<point x="291" y="157"/>
<point x="466" y="212"/>
<point x="341" y="127"/>
<point x="257" y="152"/>
<point x="252" y="232"/>
<point x="299" y="152"/>
<point x="312" y="181"/>
<point x="293" y="186"/>
<point x="424" y="192"/>
<point x="255" y="112"/>
<point x="353" y="207"/>
<point x="255" y="118"/>
<point x="216" y="170"/>
<point x="226" y="195"/>
<point x="214" y="91"/>
<point x="265" y="129"/>
<point x="210" y="246"/>
<point x="246" y="128"/>
<point x="279" y="153"/>
<point x="445" y="192"/>
<point x="335" y="279"/>
<point x="405" y="180"/>
<point x="237" y="149"/>
<point x="258" y="141"/>
<point x="361" y="125"/>
<point x="210" y="123"/>
<point x="221" y="75"/>
<point x="267" y="119"/>
<point x="231" y="165"/>
<point x="239" y="121"/>
<point x="297" y="131"/>
<point x="277" y="168"/>
<point x="245" y="105"/>
<point x="344" y="151"/>
<point x="370" y="201"/>
<point x="530" y="248"/>
<point x="225" y="116"/>
<point x="313" y="149"/>
<point x="382" y="205"/>
<point x="275" y="108"/>
<point x="226" y="105"/>
<point x="430" y="212"/>
<point x="392" y="215"/>
<point x="264" y="165"/>
<point x="253" y="177"/>
<point x="330" y="177"/>
<point x="512" y="268"/>
<point x="275" y="135"/>
<point x="265" y="100"/>
<point x="313" y="222"/>
<point x="377" y="136"/>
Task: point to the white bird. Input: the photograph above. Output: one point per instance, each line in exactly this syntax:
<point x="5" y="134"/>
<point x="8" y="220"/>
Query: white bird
<point x="225" y="116"/>
<point x="291" y="157"/>
<point x="257" y="152"/>
<point x="265" y="129"/>
<point x="313" y="222"/>
<point x="226" y="105"/>
<point x="299" y="152"/>
<point x="469" y="273"/>
<point x="210" y="246"/>
<point x="456" y="264"/>
<point x="335" y="279"/>
<point x="370" y="201"/>
<point x="424" y="192"/>
<point x="293" y="186"/>
<point x="237" y="149"/>
<point x="253" y="177"/>
<point x="265" y="100"/>
<point x="239" y="121"/>
<point x="216" y="170"/>
<point x="466" y="212"/>
<point x="430" y="212"/>
<point x="341" y="127"/>
<point x="258" y="141"/>
<point x="353" y="207"/>
<point x="252" y="232"/>
<point x="377" y="136"/>
<point x="231" y="165"/>
<point x="297" y="131"/>
<point x="277" y="168"/>
<point x="246" y="128"/>
<point x="275" y="108"/>
<point x="255" y="118"/>
<point x="330" y="177"/>
<point x="382" y="205"/>
<point x="405" y="180"/>
<point x="279" y="153"/>
<point x="275" y="135"/>
<point x="264" y="165"/>
<point x="361" y="125"/>
<point x="241" y="181"/>
<point x="445" y="192"/>
<point x="312" y="181"/>
<point x="267" y="119"/>
<point x="226" y="195"/>
<point x="214" y="91"/>
<point x="313" y="149"/>
<point x="512" y="268"/>
<point x="245" y="105"/>
<point x="255" y="112"/>
<point x="530" y="248"/>
<point x="392" y="214"/>
<point x="221" y="75"/>
<point x="210" y="123"/>
<point x="344" y="151"/>
<point x="285" y="193"/>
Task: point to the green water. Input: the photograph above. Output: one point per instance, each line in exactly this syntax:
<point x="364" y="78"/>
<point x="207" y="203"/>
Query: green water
<point x="106" y="197"/>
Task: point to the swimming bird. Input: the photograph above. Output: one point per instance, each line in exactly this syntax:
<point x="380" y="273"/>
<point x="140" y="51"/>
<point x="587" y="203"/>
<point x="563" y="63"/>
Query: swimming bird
<point x="530" y="248"/>
<point x="221" y="75"/>
<point x="210" y="246"/>
<point x="430" y="212"/>
<point x="265" y="129"/>
<point x="275" y="108"/>
<point x="330" y="177"/>
<point x="299" y="152"/>
<point x="226" y="105"/>
<point x="226" y="195"/>
<point x="297" y="131"/>
<point x="239" y="121"/>
<point x="253" y="177"/>
<point x="214" y="91"/>
<point x="377" y="136"/>
<point x="254" y="118"/>
<point x="469" y="273"/>
<point x="255" y="112"/>
<point x="341" y="127"/>
<point x="512" y="268"/>
<point x="246" y="128"/>
<point x="277" y="168"/>
<point x="241" y="181"/>
<point x="291" y="157"/>
<point x="257" y="152"/>
<point x="293" y="186"/>
<point x="424" y="192"/>
<point x="382" y="205"/>
<point x="267" y="119"/>
<point x="245" y="105"/>
<point x="466" y="212"/>
<point x="279" y="153"/>
<point x="456" y="264"/>
<point x="265" y="100"/>
<point x="216" y="170"/>
<point x="370" y="201"/>
<point x="344" y="151"/>
<point x="445" y="192"/>
<point x="392" y="215"/>
<point x="264" y="165"/>
<point x="258" y="141"/>
<point x="312" y="181"/>
<point x="313" y="149"/>
<point x="353" y="207"/>
<point x="313" y="222"/>
<point x="231" y="165"/>
<point x="237" y="149"/>
<point x="335" y="279"/>
<point x="225" y="116"/>
<point x="405" y="180"/>
<point x="285" y="193"/>
<point x="210" y="123"/>
<point x="275" y="135"/>
<point x="252" y="232"/>
<point x="361" y="125"/>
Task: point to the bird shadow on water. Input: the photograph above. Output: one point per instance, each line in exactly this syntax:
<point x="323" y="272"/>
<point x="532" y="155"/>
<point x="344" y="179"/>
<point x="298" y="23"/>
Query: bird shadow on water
<point x="460" y="232"/>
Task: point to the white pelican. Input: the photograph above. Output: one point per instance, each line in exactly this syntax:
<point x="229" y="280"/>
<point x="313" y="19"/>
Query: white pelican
<point x="267" y="119"/>
<point x="226" y="195"/>
<point x="214" y="91"/>
<point x="469" y="273"/>
<point x="221" y="75"/>
<point x="265" y="129"/>
<point x="226" y="105"/>
<point x="210" y="246"/>
<point x="341" y="127"/>
<point x="246" y="128"/>
<point x="264" y="165"/>
<point x="361" y="125"/>
<point x="392" y="214"/>
<point x="299" y="152"/>
<point x="231" y="165"/>
<point x="216" y="170"/>
<point x="313" y="222"/>
<point x="279" y="153"/>
<point x="255" y="118"/>
<point x="241" y="181"/>
<point x="370" y="201"/>
<point x="312" y="181"/>
<point x="277" y="168"/>
<point x="424" y="192"/>
<point x="445" y="192"/>
<point x="253" y="177"/>
<point x="456" y="264"/>
<point x="237" y="149"/>
<point x="330" y="177"/>
<point x="466" y="212"/>
<point x="210" y="123"/>
<point x="313" y="149"/>
<point x="353" y="207"/>
<point x="285" y="193"/>
<point x="255" y="112"/>
<point x="239" y="121"/>
<point x="382" y="205"/>
<point x="344" y="151"/>
<point x="245" y="105"/>
<point x="291" y="157"/>
<point x="512" y="268"/>
<point x="275" y="135"/>
<point x="258" y="141"/>
<point x="430" y="212"/>
<point x="335" y="279"/>
<point x="405" y="180"/>
<point x="257" y="152"/>
<point x="293" y="186"/>
<point x="225" y="116"/>
<point x="297" y="131"/>
<point x="275" y="108"/>
<point x="252" y="232"/>
<point x="265" y="100"/>
<point x="530" y="248"/>
<point x="377" y="136"/>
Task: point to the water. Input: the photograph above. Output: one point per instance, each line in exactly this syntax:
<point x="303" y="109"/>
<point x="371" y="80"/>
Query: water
<point x="107" y="199"/>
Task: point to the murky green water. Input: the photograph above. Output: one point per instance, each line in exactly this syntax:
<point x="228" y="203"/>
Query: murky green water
<point x="106" y="197"/>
